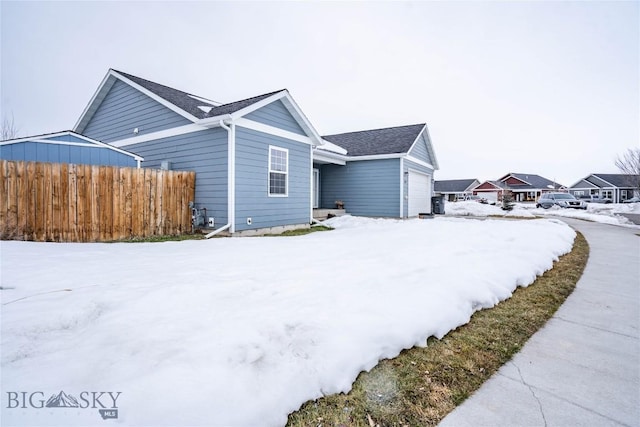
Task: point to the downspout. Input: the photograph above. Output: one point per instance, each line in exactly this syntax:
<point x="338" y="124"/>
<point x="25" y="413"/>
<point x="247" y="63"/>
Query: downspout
<point x="402" y="187"/>
<point x="311" y="200"/>
<point x="138" y="163"/>
<point x="231" y="180"/>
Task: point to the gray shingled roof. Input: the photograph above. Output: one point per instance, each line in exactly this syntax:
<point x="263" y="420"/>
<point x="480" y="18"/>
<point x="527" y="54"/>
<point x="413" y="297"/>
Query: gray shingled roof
<point x="377" y="141"/>
<point x="186" y="102"/>
<point x="453" y="185"/>
<point x="619" y="180"/>
<point x="536" y="181"/>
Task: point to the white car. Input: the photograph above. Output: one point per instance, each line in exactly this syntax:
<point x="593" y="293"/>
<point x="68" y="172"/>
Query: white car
<point x="564" y="200"/>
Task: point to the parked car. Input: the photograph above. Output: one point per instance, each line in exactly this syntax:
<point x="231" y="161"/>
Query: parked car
<point x="632" y="200"/>
<point x="598" y="200"/>
<point x="564" y="200"/>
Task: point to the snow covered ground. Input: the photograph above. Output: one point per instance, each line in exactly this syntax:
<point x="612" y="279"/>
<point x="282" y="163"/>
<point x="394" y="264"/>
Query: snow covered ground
<point x="242" y="331"/>
<point x="597" y="212"/>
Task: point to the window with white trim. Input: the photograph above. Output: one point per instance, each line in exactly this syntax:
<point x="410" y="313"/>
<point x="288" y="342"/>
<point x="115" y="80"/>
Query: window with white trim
<point x="278" y="171"/>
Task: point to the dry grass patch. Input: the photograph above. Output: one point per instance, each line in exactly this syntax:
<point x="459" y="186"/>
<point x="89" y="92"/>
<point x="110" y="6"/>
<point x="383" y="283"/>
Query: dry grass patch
<point x="422" y="385"/>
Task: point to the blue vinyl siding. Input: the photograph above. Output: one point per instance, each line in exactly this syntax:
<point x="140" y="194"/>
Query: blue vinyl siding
<point x="407" y="164"/>
<point x="276" y="115"/>
<point x="124" y="109"/>
<point x="30" y="151"/>
<point x="420" y="151"/>
<point x="367" y="187"/>
<point x="252" y="180"/>
<point x="204" y="152"/>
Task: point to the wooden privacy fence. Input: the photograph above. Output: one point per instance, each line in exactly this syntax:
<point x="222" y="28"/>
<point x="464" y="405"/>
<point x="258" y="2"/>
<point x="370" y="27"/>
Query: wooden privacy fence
<point x="82" y="203"/>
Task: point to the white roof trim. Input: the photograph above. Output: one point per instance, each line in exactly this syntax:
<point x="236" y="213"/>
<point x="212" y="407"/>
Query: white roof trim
<point x="331" y="147"/>
<point x="89" y="142"/>
<point x="572" y="187"/>
<point x="155" y="97"/>
<point x="271" y="130"/>
<point x="603" y="180"/>
<point x="510" y="174"/>
<point x="298" y="114"/>
<point x="327" y="156"/>
<point x="432" y="152"/>
<point x="486" y="189"/>
<point x="180" y="130"/>
<point x="105" y="85"/>
<point x="419" y="162"/>
<point x="290" y="105"/>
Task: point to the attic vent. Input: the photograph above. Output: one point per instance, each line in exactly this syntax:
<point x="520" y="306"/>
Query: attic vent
<point x="206" y="109"/>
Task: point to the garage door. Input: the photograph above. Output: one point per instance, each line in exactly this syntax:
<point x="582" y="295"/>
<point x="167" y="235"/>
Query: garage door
<point x="491" y="196"/>
<point x="419" y="193"/>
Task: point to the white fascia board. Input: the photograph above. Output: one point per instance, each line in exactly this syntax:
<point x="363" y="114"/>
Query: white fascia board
<point x="155" y="97"/>
<point x="604" y="180"/>
<point x="31" y="138"/>
<point x="486" y="189"/>
<point x="419" y="162"/>
<point x="325" y="156"/>
<point x="180" y="130"/>
<point x="109" y="146"/>
<point x="89" y="142"/>
<point x="573" y="187"/>
<point x="375" y="157"/>
<point x="106" y="84"/>
<point x="336" y="156"/>
<point x="297" y="111"/>
<point x="48" y="141"/>
<point x="471" y="186"/>
<point x="98" y="96"/>
<point x="329" y="146"/>
<point x="257" y="105"/>
<point x="272" y="130"/>
<point x="512" y="176"/>
<point x="432" y="152"/>
<point x="293" y="108"/>
<point x="212" y="122"/>
<point x="413" y="144"/>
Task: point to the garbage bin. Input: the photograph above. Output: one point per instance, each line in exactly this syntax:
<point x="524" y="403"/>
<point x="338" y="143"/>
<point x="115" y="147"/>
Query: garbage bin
<point x="437" y="205"/>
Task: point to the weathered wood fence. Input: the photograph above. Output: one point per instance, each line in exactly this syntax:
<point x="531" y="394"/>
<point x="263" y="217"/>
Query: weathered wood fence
<point x="83" y="203"/>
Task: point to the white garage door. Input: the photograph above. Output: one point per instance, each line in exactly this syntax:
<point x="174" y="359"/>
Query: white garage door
<point x="419" y="193"/>
<point x="491" y="196"/>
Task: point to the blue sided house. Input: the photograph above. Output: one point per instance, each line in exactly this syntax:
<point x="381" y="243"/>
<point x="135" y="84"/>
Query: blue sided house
<point x="260" y="164"/>
<point x="384" y="172"/>
<point x="66" y="147"/>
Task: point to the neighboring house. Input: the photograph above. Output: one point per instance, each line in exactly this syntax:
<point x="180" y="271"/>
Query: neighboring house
<point x="454" y="189"/>
<point x="490" y="190"/>
<point x="384" y="173"/>
<point x="66" y="147"/>
<point x="524" y="187"/>
<point x="617" y="187"/>
<point x="259" y="163"/>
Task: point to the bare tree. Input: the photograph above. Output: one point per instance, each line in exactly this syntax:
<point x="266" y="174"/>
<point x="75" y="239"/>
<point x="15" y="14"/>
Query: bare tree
<point x="9" y="129"/>
<point x="629" y="164"/>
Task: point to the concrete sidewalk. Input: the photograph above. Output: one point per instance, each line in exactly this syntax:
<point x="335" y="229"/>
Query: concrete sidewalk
<point x="583" y="367"/>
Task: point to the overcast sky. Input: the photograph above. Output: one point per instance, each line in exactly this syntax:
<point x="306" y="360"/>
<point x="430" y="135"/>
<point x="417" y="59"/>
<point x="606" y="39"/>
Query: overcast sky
<point x="550" y="88"/>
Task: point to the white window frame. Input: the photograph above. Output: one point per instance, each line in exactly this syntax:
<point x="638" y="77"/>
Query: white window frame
<point x="285" y="173"/>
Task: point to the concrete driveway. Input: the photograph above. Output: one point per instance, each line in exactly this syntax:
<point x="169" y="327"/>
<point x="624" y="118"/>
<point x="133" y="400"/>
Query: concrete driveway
<point x="583" y="367"/>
